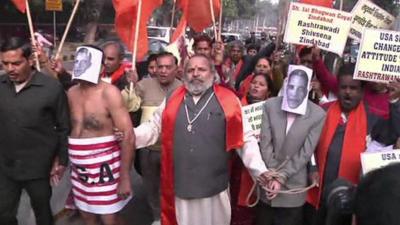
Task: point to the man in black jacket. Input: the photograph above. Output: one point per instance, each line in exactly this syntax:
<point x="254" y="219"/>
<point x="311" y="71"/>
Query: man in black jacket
<point x="35" y="122"/>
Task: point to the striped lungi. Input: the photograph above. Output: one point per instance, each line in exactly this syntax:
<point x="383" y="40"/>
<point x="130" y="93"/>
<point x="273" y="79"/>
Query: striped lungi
<point x="95" y="167"/>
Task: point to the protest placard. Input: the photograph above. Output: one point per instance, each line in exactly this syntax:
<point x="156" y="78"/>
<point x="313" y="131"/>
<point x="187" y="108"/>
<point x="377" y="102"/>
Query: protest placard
<point x="375" y="160"/>
<point x="309" y="24"/>
<point x="253" y="114"/>
<point x="379" y="56"/>
<point x="296" y="88"/>
<point x="367" y="14"/>
<point x="54" y="5"/>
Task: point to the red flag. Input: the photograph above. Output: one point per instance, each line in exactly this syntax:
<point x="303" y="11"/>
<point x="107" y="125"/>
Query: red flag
<point x="125" y="22"/>
<point x="180" y="29"/>
<point x="324" y="3"/>
<point x="20" y="4"/>
<point x="197" y="14"/>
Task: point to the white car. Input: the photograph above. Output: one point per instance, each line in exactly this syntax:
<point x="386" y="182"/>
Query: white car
<point x="159" y="33"/>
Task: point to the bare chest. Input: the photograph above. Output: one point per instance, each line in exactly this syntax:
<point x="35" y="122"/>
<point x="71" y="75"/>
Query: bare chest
<point x="90" y="115"/>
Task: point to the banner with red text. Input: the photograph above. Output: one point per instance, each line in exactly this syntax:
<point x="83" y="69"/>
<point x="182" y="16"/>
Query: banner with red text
<point x="379" y="56"/>
<point x="327" y="28"/>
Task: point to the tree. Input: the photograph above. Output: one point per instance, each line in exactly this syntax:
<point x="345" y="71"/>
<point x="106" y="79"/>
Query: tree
<point x="91" y="11"/>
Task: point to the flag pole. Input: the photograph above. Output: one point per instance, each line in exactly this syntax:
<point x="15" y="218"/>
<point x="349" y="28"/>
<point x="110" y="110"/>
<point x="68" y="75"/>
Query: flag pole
<point x="135" y="43"/>
<point x="71" y="18"/>
<point x="282" y="23"/>
<point x="54" y="29"/>
<point x="135" y="40"/>
<point x="172" y="20"/>
<point x="220" y="21"/>
<point x="28" y="15"/>
<point x="213" y="19"/>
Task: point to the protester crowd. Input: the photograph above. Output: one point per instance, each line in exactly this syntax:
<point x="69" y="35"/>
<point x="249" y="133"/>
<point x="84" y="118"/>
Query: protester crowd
<point x="182" y="126"/>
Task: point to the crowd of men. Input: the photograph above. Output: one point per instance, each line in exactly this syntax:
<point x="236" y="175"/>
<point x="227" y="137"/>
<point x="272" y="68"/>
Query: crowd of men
<point x="183" y="130"/>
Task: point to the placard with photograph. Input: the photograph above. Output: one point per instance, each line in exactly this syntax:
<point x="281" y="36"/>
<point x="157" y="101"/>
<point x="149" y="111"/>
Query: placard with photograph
<point x="296" y="88"/>
<point x="87" y="64"/>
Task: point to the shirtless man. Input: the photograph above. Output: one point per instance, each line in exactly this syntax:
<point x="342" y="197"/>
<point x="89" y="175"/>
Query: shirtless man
<point x="100" y="166"/>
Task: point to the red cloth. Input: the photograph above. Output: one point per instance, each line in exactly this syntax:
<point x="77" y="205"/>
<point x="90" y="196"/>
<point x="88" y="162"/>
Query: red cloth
<point x="329" y="82"/>
<point x="228" y="63"/>
<point x="234" y="139"/>
<point x="20" y="4"/>
<point x="180" y="29"/>
<point x="246" y="181"/>
<point x="116" y="75"/>
<point x="196" y="14"/>
<point x="125" y="22"/>
<point x="240" y="187"/>
<point x="354" y="144"/>
<point x="325" y="3"/>
<point x="245" y="86"/>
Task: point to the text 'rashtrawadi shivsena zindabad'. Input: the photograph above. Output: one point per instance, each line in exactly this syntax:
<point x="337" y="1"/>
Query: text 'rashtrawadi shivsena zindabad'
<point x="367" y="14"/>
<point x="379" y="56"/>
<point x="309" y="24"/>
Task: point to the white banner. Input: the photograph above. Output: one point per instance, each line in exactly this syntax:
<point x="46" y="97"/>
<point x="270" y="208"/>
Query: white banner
<point x="379" y="56"/>
<point x="309" y="24"/>
<point x="367" y="14"/>
<point x="375" y="160"/>
<point x="253" y="114"/>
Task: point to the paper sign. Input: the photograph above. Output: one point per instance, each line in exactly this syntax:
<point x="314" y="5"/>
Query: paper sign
<point x="296" y="88"/>
<point x="87" y="64"/>
<point x="253" y="114"/>
<point x="309" y="24"/>
<point x="371" y="161"/>
<point x="367" y="14"/>
<point x="54" y="5"/>
<point x="379" y="56"/>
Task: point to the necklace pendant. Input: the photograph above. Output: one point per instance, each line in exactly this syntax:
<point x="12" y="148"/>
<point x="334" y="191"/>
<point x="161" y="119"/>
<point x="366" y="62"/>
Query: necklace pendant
<point x="189" y="127"/>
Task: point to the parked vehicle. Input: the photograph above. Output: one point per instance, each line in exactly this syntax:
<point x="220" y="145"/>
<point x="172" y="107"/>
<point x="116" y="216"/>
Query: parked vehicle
<point x="228" y="37"/>
<point x="159" y="33"/>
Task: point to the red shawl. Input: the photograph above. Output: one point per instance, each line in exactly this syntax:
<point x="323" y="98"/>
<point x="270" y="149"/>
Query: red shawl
<point x="234" y="139"/>
<point x="116" y="75"/>
<point x="238" y="67"/>
<point x="354" y="144"/>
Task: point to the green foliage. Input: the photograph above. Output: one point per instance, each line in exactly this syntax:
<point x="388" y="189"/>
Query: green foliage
<point x="246" y="8"/>
<point x="230" y="9"/>
<point x="235" y="9"/>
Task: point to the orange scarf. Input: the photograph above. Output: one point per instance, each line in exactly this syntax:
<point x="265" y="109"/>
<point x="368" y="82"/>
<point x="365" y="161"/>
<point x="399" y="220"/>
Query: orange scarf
<point x="238" y="67"/>
<point x="354" y="144"/>
<point x="245" y="85"/>
<point x="116" y="75"/>
<point x="234" y="139"/>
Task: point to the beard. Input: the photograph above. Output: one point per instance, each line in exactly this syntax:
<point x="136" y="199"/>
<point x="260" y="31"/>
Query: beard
<point x="197" y="86"/>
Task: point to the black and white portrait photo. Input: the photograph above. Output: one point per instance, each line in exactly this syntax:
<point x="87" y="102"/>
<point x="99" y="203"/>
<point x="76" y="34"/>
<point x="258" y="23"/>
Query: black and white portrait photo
<point x="296" y="89"/>
<point x="82" y="61"/>
<point x="87" y="64"/>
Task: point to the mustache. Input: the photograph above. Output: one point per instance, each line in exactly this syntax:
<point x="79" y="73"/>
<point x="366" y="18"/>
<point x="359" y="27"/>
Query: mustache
<point x="196" y="80"/>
